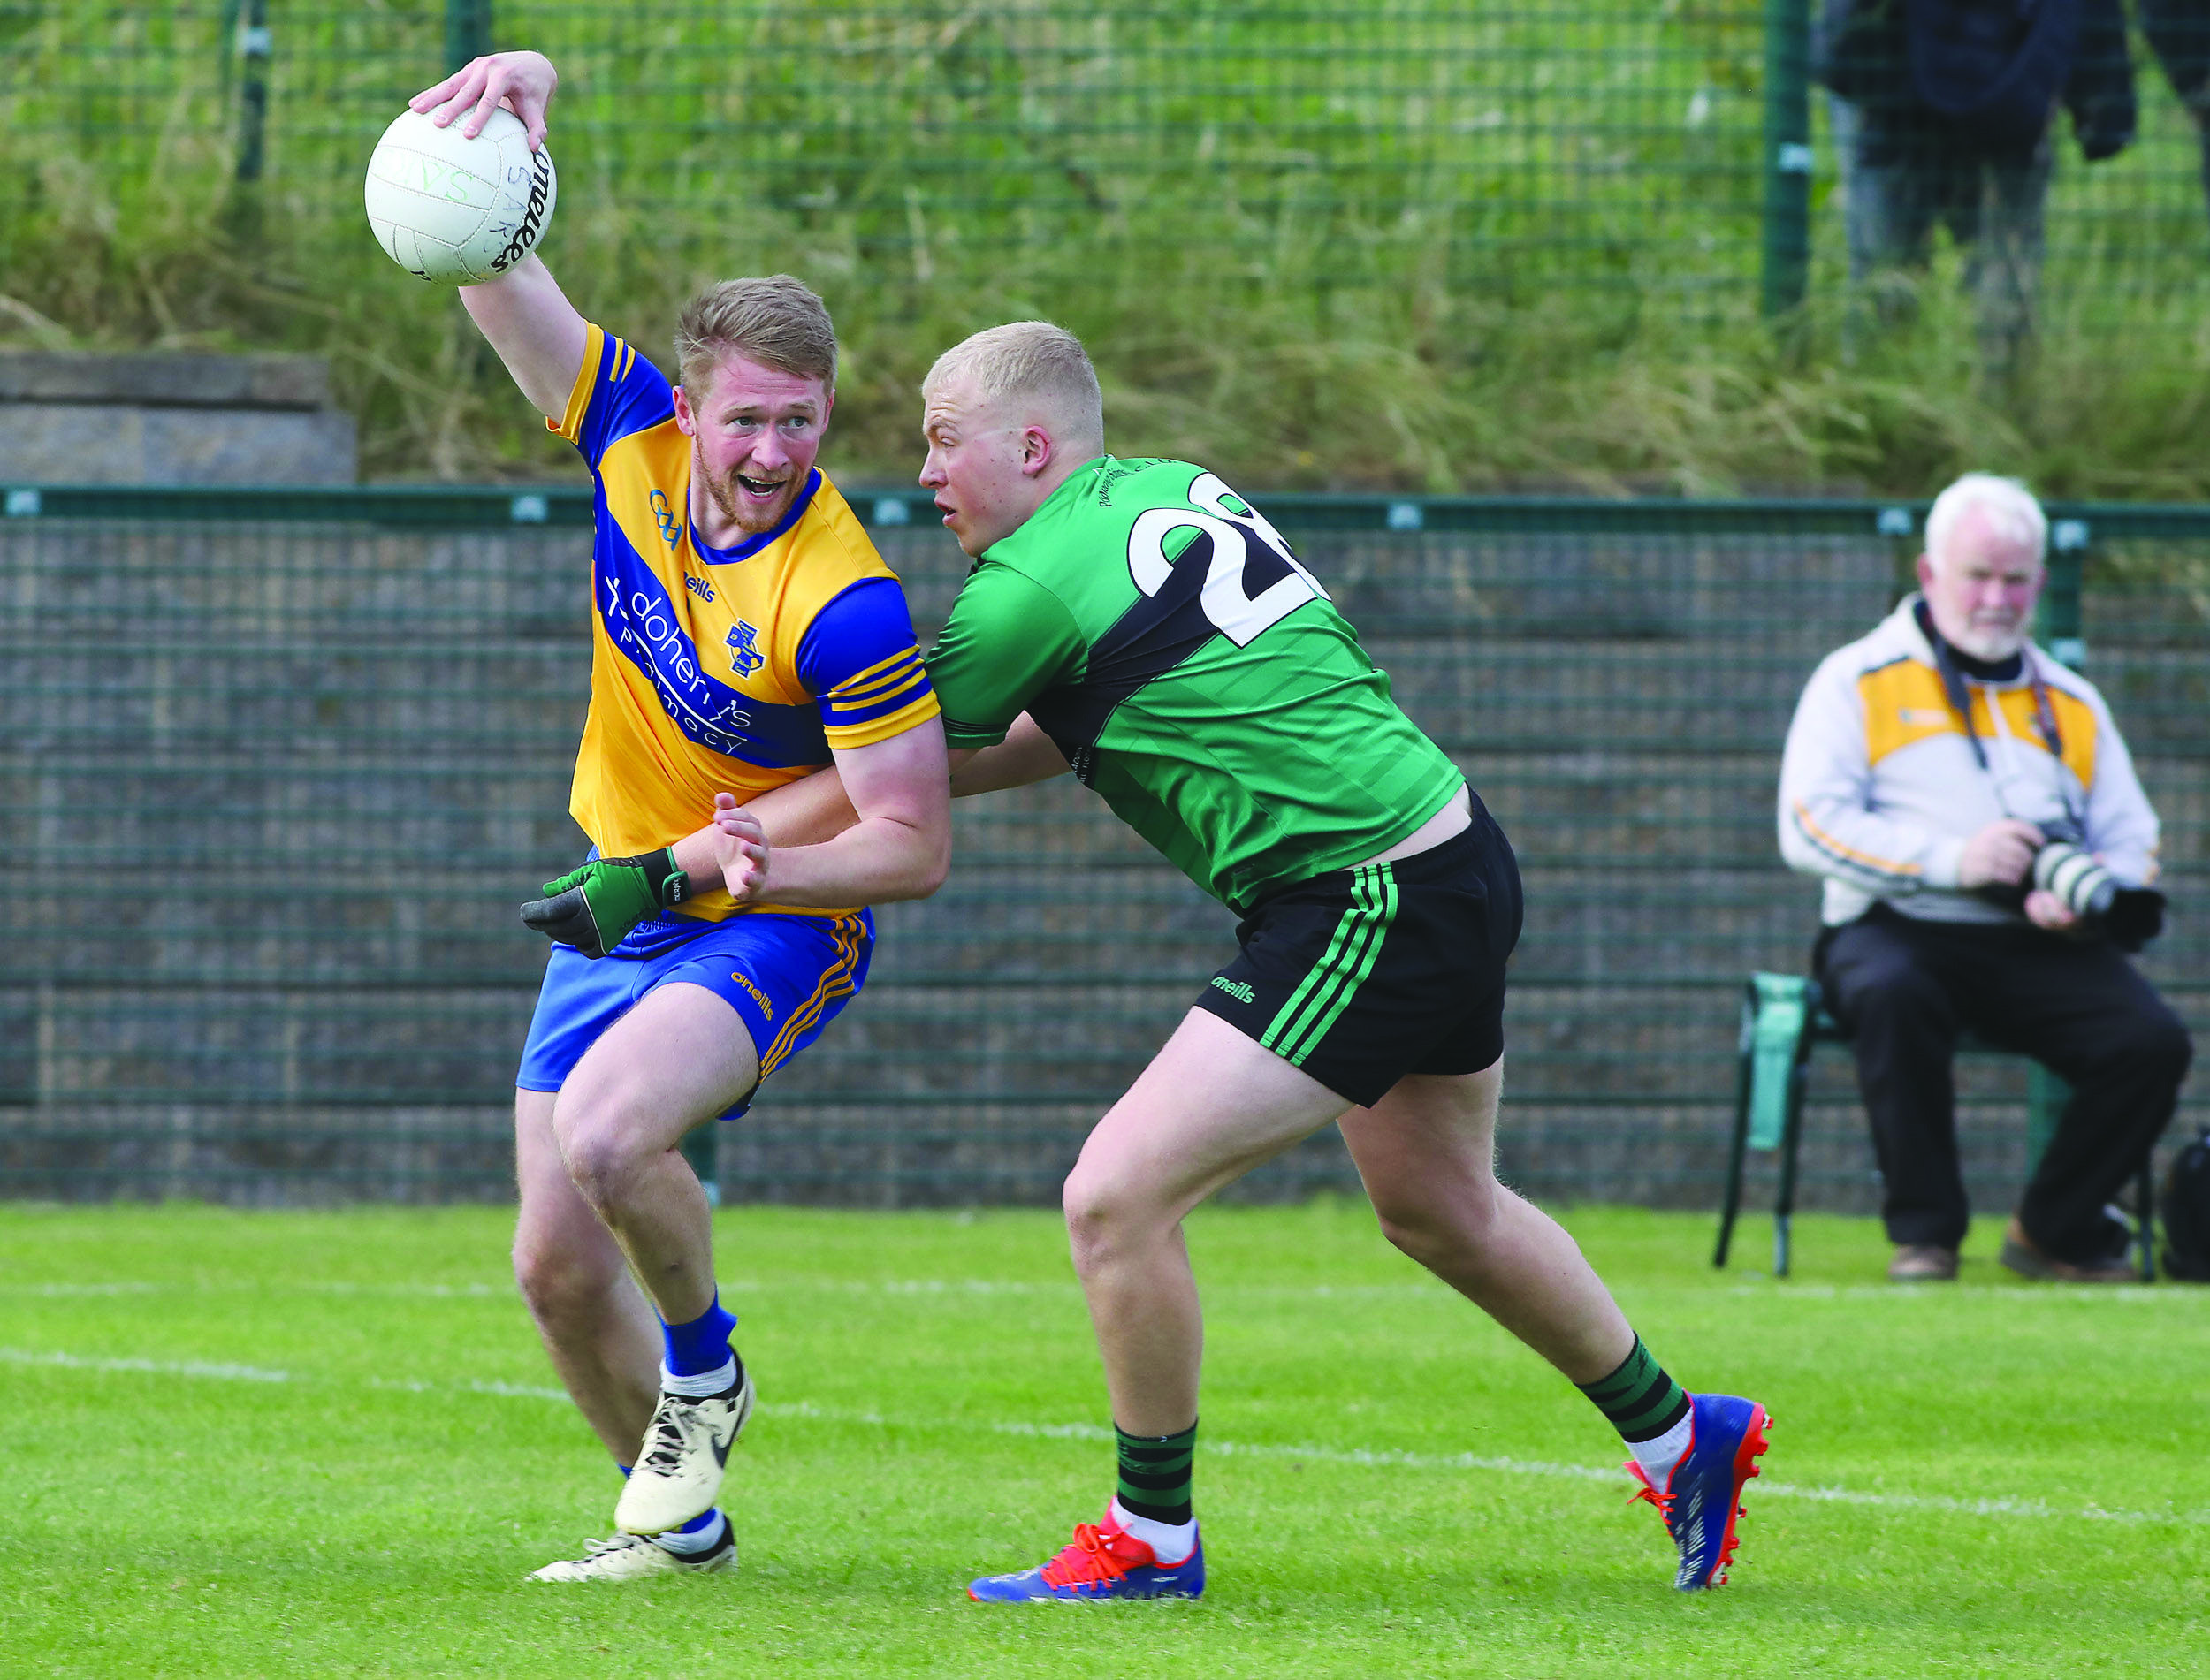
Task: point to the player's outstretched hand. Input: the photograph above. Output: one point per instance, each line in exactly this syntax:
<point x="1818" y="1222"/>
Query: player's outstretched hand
<point x="594" y="908"/>
<point x="740" y="846"/>
<point x="525" y="81"/>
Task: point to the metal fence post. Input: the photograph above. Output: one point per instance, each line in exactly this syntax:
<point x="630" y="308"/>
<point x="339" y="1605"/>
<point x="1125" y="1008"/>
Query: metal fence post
<point x="253" y="89"/>
<point x="1786" y="264"/>
<point x="2057" y="624"/>
<point x="468" y="31"/>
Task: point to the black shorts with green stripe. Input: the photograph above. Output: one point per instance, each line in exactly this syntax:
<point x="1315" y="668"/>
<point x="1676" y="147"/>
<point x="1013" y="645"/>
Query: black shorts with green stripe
<point x="1362" y="976"/>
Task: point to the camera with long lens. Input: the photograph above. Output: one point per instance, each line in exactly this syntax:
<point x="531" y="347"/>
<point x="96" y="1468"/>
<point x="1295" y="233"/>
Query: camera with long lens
<point x="2128" y="916"/>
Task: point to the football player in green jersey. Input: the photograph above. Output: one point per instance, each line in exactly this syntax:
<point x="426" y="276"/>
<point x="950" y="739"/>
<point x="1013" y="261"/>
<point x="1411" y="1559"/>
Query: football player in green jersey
<point x="1140" y="623"/>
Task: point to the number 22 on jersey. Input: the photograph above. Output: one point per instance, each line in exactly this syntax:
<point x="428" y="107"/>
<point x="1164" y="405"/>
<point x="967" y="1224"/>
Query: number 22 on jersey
<point x="1234" y="526"/>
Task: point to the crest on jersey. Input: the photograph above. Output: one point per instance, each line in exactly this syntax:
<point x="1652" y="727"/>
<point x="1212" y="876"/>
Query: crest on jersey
<point x="743" y="651"/>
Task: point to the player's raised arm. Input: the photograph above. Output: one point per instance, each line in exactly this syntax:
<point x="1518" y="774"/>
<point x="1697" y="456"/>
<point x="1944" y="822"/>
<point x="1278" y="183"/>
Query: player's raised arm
<point x="537" y="332"/>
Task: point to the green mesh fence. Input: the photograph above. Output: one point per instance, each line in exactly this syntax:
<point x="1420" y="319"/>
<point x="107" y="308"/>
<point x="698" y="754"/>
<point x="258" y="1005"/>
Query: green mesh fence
<point x="1508" y="150"/>
<point x="276" y="768"/>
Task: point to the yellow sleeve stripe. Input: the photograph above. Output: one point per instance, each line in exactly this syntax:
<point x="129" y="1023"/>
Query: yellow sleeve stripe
<point x="906" y="672"/>
<point x="624" y="358"/>
<point x="842" y="711"/>
<point x="1820" y="836"/>
<point x="880" y="665"/>
<point x="570" y="424"/>
<point x="865" y="734"/>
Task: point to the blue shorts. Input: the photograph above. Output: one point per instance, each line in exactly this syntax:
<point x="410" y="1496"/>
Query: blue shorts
<point x="787" y="975"/>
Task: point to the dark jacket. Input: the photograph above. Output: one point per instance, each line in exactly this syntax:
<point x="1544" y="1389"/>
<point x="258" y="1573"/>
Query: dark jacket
<point x="2179" y="31"/>
<point x="1981" y="76"/>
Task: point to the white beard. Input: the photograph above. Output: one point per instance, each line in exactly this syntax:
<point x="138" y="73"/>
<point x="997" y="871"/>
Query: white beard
<point x="1989" y="644"/>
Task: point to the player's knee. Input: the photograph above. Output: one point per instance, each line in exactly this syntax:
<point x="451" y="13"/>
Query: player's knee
<point x="600" y="1151"/>
<point x="1438" y="1229"/>
<point x="558" y="1290"/>
<point x="1103" y="1212"/>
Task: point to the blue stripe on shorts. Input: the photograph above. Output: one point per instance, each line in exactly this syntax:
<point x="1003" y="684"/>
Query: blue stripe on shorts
<point x="787" y="975"/>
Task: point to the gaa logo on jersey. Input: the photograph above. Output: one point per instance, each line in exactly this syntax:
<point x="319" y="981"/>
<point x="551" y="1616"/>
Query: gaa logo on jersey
<point x="664" y="515"/>
<point x="744" y="654"/>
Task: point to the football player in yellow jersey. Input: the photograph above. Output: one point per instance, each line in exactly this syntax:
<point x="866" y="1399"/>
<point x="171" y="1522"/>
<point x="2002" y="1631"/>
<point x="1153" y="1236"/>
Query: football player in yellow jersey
<point x="745" y="633"/>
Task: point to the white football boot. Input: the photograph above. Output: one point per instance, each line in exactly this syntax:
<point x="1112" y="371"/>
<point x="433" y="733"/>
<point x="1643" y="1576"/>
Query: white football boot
<point x="678" y="1476"/>
<point x="631" y="1557"/>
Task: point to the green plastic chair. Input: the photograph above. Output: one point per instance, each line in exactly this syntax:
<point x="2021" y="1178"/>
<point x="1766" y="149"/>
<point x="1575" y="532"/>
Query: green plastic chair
<point x="1782" y="1023"/>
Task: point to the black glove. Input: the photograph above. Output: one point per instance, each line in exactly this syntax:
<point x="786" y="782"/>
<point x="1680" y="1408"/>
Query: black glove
<point x="594" y="908"/>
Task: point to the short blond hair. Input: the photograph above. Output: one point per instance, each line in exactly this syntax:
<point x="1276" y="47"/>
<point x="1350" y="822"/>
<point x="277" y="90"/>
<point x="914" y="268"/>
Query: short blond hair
<point x="773" y="319"/>
<point x="1035" y="360"/>
<point x="2010" y="507"/>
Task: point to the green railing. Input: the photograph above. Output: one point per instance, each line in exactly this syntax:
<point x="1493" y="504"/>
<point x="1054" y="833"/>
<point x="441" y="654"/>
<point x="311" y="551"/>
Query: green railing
<point x="278" y="766"/>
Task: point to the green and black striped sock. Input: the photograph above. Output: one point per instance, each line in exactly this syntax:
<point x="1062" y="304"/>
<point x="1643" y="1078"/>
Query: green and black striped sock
<point x="1640" y="1399"/>
<point x="1154" y="1474"/>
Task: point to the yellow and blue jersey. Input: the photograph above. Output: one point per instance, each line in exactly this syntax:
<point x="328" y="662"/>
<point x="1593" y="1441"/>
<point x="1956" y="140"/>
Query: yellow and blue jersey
<point x="718" y="670"/>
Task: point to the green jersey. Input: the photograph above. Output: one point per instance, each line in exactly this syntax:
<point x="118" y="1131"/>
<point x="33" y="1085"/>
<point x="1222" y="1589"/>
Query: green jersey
<point x="1157" y="628"/>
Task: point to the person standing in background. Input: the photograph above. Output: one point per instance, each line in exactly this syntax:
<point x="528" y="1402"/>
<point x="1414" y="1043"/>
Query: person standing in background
<point x="1942" y="112"/>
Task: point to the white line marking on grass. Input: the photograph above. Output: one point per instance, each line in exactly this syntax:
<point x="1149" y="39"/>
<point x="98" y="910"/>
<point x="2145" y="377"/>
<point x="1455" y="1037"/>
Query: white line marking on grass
<point x="894" y="1287"/>
<point x="146" y="1367"/>
<point x="1384" y="1458"/>
<point x="59" y="1289"/>
<point x="1361" y="1457"/>
<point x="2134" y="1294"/>
<point x="436" y="1290"/>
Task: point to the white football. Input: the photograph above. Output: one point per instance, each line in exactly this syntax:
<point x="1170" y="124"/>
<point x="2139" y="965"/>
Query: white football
<point x="455" y="210"/>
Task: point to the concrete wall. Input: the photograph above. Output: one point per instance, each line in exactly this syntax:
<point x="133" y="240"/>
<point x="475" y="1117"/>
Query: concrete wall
<point x="70" y="419"/>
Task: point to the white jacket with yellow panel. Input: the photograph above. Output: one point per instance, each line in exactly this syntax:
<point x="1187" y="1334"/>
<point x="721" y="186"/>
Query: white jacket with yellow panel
<point x="1881" y="788"/>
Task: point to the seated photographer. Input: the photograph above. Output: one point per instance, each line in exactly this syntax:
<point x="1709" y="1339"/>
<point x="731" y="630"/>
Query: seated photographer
<point x="1987" y="853"/>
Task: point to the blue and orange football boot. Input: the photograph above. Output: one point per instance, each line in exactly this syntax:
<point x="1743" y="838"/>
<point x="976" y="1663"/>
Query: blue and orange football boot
<point x="1702" y="1497"/>
<point x="1105" y="1562"/>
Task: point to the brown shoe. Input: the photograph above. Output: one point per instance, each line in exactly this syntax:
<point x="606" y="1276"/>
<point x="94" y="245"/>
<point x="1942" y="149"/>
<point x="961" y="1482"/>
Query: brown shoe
<point x="1923" y="1263"/>
<point x="2021" y="1255"/>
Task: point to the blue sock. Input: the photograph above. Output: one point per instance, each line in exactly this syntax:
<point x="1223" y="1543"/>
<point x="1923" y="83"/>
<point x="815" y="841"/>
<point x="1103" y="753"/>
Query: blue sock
<point x="702" y="1345"/>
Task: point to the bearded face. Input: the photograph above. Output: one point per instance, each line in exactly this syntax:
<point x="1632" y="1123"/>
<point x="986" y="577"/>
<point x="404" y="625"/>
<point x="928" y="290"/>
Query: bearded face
<point x="755" y="432"/>
<point x="1982" y="590"/>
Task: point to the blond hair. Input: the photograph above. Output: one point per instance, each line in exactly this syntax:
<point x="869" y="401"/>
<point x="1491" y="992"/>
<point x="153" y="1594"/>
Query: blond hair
<point x="1037" y="362"/>
<point x="2008" y="505"/>
<point x="773" y="319"/>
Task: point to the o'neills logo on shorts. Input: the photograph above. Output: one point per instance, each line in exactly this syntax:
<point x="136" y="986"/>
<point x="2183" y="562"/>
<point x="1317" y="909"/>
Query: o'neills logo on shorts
<point x="1236" y="989"/>
<point x="758" y="997"/>
<point x="532" y="218"/>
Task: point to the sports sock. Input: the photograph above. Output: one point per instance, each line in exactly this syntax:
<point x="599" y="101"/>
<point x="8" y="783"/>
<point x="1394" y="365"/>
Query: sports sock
<point x="1154" y="1474"/>
<point x="702" y="1345"/>
<point x="1647" y="1407"/>
<point x="723" y="1379"/>
<point x="1660" y="1453"/>
<point x="699" y="1534"/>
<point x="1171" y="1543"/>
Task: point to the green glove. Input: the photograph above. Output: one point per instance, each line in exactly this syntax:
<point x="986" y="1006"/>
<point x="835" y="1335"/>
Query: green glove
<point x="594" y="908"/>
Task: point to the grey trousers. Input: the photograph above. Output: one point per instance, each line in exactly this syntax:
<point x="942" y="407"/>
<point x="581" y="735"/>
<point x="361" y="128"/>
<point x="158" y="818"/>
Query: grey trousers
<point x="1993" y="210"/>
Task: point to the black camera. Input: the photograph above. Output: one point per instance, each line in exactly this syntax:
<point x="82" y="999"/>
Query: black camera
<point x="2128" y="916"/>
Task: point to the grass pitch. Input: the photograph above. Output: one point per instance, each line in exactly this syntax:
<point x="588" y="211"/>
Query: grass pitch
<point x="327" y="1443"/>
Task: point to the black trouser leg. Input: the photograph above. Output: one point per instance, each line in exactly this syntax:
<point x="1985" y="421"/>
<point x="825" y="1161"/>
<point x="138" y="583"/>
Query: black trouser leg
<point x="2086" y="1014"/>
<point x="1905" y="987"/>
<point x="1895" y="999"/>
